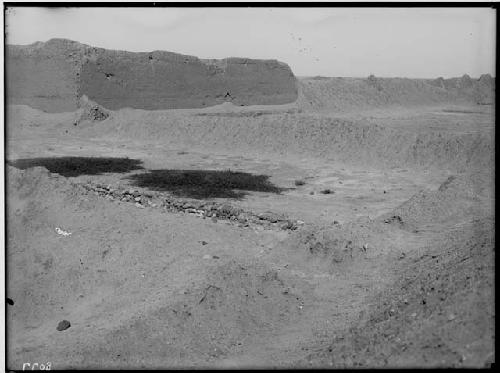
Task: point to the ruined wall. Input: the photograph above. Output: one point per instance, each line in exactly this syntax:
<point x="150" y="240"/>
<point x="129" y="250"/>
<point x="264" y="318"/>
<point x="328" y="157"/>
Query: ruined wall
<point x="52" y="76"/>
<point x="43" y="75"/>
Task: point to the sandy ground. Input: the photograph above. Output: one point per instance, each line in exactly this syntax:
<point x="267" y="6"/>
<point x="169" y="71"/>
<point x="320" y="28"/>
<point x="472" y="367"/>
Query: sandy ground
<point x="393" y="268"/>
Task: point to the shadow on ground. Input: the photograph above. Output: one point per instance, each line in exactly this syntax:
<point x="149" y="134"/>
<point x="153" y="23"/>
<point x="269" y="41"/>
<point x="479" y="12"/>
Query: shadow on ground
<point x="76" y="166"/>
<point x="202" y="184"/>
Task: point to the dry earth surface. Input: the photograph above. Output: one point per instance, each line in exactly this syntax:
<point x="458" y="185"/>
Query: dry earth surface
<point x="206" y="238"/>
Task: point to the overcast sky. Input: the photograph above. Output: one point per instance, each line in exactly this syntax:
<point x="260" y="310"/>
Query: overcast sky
<point x="356" y="42"/>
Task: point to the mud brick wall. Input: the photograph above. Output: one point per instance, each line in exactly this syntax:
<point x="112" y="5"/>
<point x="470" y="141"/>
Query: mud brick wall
<point x="52" y="76"/>
<point x="43" y="76"/>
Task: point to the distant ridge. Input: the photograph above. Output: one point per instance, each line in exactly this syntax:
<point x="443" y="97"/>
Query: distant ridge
<point x="346" y="94"/>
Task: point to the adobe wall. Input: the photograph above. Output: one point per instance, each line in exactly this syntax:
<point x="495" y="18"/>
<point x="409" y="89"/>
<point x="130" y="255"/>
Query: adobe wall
<point x="52" y="76"/>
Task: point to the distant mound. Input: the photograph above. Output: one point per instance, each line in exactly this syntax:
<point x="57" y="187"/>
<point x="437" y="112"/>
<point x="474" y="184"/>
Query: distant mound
<point x="54" y="75"/>
<point x="460" y="195"/>
<point x="347" y="94"/>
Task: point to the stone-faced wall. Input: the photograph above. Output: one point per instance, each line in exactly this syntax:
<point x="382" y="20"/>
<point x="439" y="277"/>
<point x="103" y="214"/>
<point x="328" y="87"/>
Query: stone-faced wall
<point x="52" y="76"/>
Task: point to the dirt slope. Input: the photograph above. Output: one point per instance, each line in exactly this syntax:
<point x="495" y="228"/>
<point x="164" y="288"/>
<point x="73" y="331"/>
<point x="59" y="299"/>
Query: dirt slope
<point x="341" y="139"/>
<point x="125" y="275"/>
<point x="438" y="313"/>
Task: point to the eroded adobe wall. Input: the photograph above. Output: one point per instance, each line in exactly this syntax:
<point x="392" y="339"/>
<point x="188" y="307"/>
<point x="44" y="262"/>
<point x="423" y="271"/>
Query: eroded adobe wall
<point x="52" y="76"/>
<point x="162" y="80"/>
<point x="44" y="76"/>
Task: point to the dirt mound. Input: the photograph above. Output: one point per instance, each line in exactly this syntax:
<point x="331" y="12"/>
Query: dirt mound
<point x="71" y="248"/>
<point x="52" y="76"/>
<point x="348" y="94"/>
<point x="236" y="302"/>
<point x="480" y="91"/>
<point x="458" y="197"/>
<point x="332" y="248"/>
<point x="438" y="314"/>
<point x="33" y="182"/>
<point x="35" y="196"/>
<point x="90" y="111"/>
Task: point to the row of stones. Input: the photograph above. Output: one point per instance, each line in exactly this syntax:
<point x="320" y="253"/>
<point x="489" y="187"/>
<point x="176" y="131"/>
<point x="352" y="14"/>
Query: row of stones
<point x="202" y="209"/>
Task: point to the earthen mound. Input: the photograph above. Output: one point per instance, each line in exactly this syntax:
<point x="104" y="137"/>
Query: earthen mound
<point x="333" y="248"/>
<point x="458" y="197"/>
<point x="355" y="94"/>
<point x="437" y="314"/>
<point x="346" y="140"/>
<point x="90" y="111"/>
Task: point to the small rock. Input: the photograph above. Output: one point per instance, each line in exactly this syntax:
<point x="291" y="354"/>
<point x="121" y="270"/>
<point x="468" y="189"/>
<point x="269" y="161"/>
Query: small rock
<point x="63" y="325"/>
<point x="336" y="222"/>
<point x="365" y="247"/>
<point x="215" y="257"/>
<point x="137" y="204"/>
<point x="226" y="209"/>
<point x="269" y="216"/>
<point x="204" y="243"/>
<point x="10" y="301"/>
<point x="451" y="317"/>
<point x="137" y="199"/>
<point x="61" y="232"/>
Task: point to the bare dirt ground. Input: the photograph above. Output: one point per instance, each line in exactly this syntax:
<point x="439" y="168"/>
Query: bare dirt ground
<point x="393" y="268"/>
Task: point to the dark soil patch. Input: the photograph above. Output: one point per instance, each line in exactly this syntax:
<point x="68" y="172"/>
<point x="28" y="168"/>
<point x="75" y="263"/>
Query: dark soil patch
<point x="202" y="184"/>
<point x="76" y="166"/>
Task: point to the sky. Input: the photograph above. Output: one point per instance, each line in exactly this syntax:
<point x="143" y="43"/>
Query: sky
<point x="348" y="42"/>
